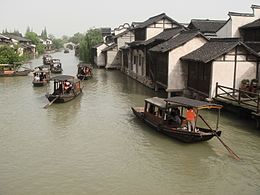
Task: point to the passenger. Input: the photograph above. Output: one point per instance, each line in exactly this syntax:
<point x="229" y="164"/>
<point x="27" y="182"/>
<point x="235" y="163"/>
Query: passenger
<point x="174" y="117"/>
<point x="151" y="109"/>
<point x="191" y="117"/>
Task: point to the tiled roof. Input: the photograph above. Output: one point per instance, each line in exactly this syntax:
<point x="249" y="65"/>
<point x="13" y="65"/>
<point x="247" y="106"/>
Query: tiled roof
<point x="18" y="38"/>
<point x="215" y="48"/>
<point x="254" y="45"/>
<point x="97" y="45"/>
<point x="109" y="47"/>
<point x="121" y="34"/>
<point x="253" y="24"/>
<point x="240" y="14"/>
<point x="206" y="26"/>
<point x="176" y="41"/>
<point x="156" y="19"/>
<point x="165" y="35"/>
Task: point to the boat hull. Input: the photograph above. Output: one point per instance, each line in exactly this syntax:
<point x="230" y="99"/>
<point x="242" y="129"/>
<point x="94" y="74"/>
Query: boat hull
<point x="64" y="97"/>
<point x="84" y="77"/>
<point x="16" y="73"/>
<point x="178" y="133"/>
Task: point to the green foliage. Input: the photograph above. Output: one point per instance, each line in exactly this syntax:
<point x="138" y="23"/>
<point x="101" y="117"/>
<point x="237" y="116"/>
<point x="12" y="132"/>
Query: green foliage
<point x="76" y="38"/>
<point x="36" y="41"/>
<point x="92" y="37"/>
<point x="44" y="34"/>
<point x="57" y="43"/>
<point x="8" y="55"/>
<point x="40" y="48"/>
<point x="33" y="37"/>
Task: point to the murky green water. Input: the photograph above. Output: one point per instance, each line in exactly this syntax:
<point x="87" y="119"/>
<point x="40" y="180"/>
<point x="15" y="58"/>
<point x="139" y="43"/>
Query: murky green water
<point x="95" y="145"/>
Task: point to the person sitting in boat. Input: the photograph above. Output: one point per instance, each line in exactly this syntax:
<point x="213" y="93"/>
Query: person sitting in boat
<point x="36" y="77"/>
<point x="191" y="117"/>
<point x="67" y="86"/>
<point x="174" y="117"/>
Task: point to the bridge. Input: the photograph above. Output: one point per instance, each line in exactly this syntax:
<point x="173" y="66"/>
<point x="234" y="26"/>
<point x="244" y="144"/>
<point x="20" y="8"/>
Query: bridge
<point x="69" y="45"/>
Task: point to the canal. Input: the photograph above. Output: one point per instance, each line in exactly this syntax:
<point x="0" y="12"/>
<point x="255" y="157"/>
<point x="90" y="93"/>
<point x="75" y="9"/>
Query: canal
<point x="95" y="145"/>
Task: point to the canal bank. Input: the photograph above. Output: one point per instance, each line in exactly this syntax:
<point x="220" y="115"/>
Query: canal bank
<point x="95" y="145"/>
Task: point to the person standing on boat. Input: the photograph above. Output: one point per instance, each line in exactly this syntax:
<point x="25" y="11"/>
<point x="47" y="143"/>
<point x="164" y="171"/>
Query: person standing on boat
<point x="191" y="117"/>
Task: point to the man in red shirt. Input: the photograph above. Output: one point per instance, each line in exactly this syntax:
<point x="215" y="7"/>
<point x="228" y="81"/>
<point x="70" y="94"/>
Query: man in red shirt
<point x="191" y="117"/>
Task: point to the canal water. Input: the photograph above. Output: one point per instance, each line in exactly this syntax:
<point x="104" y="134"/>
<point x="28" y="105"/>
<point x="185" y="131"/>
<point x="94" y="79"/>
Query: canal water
<point x="95" y="145"/>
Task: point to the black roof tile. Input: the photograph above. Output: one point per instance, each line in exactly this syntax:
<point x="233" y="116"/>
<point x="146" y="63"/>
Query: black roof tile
<point x="215" y="48"/>
<point x="206" y="26"/>
<point x="176" y="41"/>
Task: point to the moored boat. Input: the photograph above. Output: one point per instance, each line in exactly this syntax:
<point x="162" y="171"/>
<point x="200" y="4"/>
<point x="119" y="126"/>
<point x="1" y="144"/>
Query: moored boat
<point x="66" y="88"/>
<point x="158" y="113"/>
<point x="84" y="71"/>
<point x="9" y="70"/>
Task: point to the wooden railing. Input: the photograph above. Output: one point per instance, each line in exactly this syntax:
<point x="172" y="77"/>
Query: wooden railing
<point x="241" y="97"/>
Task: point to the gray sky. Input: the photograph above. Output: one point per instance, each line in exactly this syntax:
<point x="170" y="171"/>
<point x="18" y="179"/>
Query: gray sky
<point x="69" y="17"/>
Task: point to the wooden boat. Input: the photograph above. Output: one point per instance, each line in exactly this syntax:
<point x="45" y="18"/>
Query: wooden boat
<point x="66" y="88"/>
<point x="84" y="71"/>
<point x="47" y="59"/>
<point x="56" y="66"/>
<point x="66" y="50"/>
<point x="157" y="111"/>
<point x="9" y="70"/>
<point x="41" y="78"/>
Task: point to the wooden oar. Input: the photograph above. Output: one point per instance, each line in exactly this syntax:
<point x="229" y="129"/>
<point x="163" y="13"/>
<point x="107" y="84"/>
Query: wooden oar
<point x="47" y="105"/>
<point x="228" y="148"/>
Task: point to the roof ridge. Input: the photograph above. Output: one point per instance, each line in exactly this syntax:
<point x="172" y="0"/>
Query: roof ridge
<point x="240" y="14"/>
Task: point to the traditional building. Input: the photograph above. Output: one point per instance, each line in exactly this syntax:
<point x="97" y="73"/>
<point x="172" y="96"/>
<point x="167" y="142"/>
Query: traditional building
<point x="169" y="72"/>
<point x="236" y="20"/>
<point x="135" y="60"/>
<point x="227" y="61"/>
<point x="207" y="27"/>
<point x="99" y="57"/>
<point x="251" y="34"/>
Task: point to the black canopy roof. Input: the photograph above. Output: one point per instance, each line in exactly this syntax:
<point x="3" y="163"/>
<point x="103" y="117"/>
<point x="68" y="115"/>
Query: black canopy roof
<point x="84" y="65"/>
<point x="63" y="78"/>
<point x="187" y="102"/>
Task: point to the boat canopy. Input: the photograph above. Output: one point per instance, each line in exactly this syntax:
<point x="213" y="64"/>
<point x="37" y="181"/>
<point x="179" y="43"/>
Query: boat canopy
<point x="159" y="102"/>
<point x="187" y="102"/>
<point x="81" y="65"/>
<point x="64" y="78"/>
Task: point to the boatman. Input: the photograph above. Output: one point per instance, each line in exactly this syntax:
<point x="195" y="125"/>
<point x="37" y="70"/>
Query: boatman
<point x="191" y="117"/>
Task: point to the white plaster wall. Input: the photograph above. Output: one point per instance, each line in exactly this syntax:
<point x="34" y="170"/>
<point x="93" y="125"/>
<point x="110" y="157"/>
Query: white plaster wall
<point x="177" y="71"/>
<point x="226" y="30"/>
<point x="238" y="21"/>
<point x="113" y="58"/>
<point x="127" y="38"/>
<point x="223" y="73"/>
<point x="256" y="13"/>
<point x="100" y="55"/>
<point x="152" y="32"/>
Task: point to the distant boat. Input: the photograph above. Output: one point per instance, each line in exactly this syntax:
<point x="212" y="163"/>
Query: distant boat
<point x="47" y="59"/>
<point x="66" y="88"/>
<point x="84" y="71"/>
<point x="9" y="70"/>
<point x="157" y="114"/>
<point x="66" y="50"/>
<point x="56" y="66"/>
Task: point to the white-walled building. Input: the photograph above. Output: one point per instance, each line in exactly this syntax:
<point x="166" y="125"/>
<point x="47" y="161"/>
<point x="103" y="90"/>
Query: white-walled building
<point x="170" y="73"/>
<point x="236" y="20"/>
<point x="135" y="60"/>
<point x="223" y="61"/>
<point x="99" y="57"/>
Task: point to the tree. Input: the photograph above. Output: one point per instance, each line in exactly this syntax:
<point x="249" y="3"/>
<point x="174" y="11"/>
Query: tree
<point x="57" y="43"/>
<point x="76" y="38"/>
<point x="8" y="55"/>
<point x="44" y="34"/>
<point x="92" y="37"/>
<point x="36" y="41"/>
